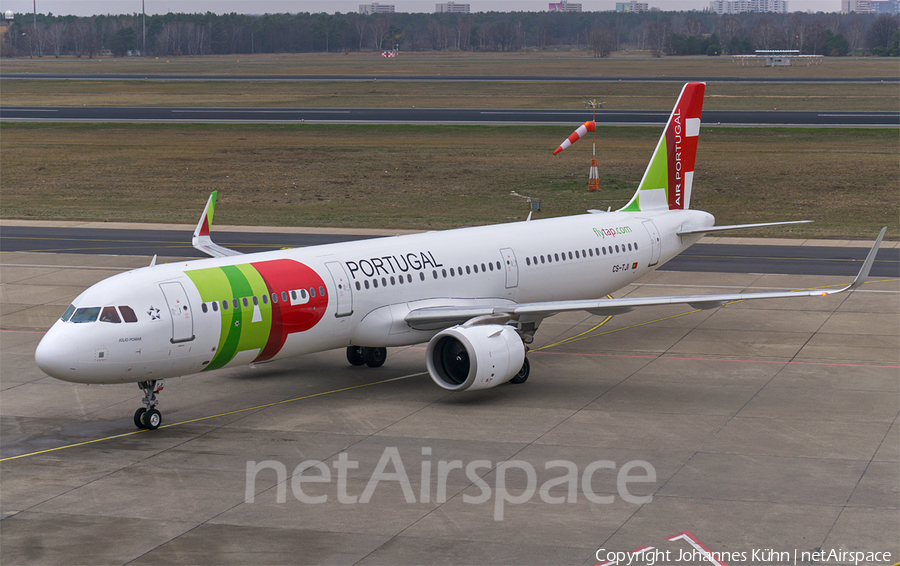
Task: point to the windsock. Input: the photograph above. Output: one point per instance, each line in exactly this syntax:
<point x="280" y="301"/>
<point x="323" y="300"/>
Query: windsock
<point x="588" y="126"/>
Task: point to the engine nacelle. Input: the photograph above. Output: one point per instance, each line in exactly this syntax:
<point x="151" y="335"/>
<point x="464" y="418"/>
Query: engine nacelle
<point x="474" y="357"/>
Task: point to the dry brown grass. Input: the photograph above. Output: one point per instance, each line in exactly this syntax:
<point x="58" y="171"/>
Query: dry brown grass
<point x="433" y="177"/>
<point x="550" y="62"/>
<point x="397" y="94"/>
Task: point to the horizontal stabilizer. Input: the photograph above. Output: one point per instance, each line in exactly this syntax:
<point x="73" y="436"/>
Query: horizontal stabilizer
<point x="737" y="227"/>
<point x="202" y="240"/>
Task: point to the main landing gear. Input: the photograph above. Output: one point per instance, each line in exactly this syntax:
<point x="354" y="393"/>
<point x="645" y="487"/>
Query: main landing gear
<point x="372" y="357"/>
<point x="522" y="376"/>
<point x="148" y="417"/>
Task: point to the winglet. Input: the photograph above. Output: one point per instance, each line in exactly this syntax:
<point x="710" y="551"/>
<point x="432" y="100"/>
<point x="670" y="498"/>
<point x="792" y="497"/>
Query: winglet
<point x="867" y="264"/>
<point x="201" y="239"/>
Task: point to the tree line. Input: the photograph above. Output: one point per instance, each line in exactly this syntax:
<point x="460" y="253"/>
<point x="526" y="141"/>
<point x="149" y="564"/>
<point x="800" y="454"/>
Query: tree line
<point x="601" y="33"/>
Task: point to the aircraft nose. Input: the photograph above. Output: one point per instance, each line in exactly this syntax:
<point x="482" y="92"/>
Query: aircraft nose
<point x="57" y="355"/>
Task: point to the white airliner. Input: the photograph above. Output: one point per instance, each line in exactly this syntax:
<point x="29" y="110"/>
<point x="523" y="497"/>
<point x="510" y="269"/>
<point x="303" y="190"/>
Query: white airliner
<point x="475" y="295"/>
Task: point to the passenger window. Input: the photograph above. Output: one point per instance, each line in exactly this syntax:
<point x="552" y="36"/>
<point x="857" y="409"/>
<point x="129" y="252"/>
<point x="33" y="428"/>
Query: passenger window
<point x="393" y="281"/>
<point x="322" y="291"/>
<point x="284" y="296"/>
<point x="274" y="298"/>
<point x="444" y="273"/>
<point x="204" y="308"/>
<point x="527" y="261"/>
<point x="475" y="267"/>
<point x="246" y="302"/>
<point x="255" y="301"/>
<point x="366" y="283"/>
<point x="604" y="251"/>
<point x="383" y="282"/>
<point x="483" y="268"/>
<point x="409" y="278"/>
<point x="452" y="272"/>
<point x="570" y="255"/>
<point x="109" y="314"/>
<point x="597" y="251"/>
<point x="556" y="257"/>
<point x="266" y="299"/>
<point x="236" y="304"/>
<point x="312" y="292"/>
<point x="68" y="314"/>
<point x="421" y="276"/>
<point x="617" y="248"/>
<point x="358" y="286"/>
<point x="294" y="295"/>
<point x="629" y="247"/>
<point x="590" y="252"/>
<point x="635" y="245"/>
<point x="86" y="314"/>
<point x="434" y="273"/>
<point x="224" y="305"/>
<point x="215" y="306"/>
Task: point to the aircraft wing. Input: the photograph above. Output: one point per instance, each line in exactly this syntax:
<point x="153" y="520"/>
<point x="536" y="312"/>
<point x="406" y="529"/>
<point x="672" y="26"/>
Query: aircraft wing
<point x="201" y="239"/>
<point x="434" y="316"/>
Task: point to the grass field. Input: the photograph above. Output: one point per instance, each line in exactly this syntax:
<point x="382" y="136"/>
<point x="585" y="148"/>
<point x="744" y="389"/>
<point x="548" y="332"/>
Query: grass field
<point x="398" y="94"/>
<point x="558" y="63"/>
<point x="430" y="177"/>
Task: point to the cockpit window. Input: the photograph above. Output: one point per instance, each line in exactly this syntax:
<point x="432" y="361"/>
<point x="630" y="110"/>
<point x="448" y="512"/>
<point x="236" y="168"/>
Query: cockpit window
<point x="128" y="314"/>
<point x="68" y="314"/>
<point x="109" y="314"/>
<point x="86" y="314"/>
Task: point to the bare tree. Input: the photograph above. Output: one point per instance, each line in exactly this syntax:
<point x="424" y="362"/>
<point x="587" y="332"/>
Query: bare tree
<point x="658" y="35"/>
<point x="379" y="27"/>
<point x="882" y="32"/>
<point x="601" y="41"/>
<point x="729" y="27"/>
<point x="855" y="32"/>
<point x="693" y="27"/>
<point x="56" y="34"/>
<point x="765" y="34"/>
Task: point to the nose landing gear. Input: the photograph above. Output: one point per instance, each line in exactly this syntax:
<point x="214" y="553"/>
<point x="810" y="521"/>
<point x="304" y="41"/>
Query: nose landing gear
<point x="148" y="417"/>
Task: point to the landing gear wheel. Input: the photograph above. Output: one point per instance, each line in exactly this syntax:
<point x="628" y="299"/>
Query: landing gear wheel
<point x="374" y="357"/>
<point x="355" y="355"/>
<point x="522" y="376"/>
<point x="139" y="417"/>
<point x="152" y="419"/>
<point x="147" y="416"/>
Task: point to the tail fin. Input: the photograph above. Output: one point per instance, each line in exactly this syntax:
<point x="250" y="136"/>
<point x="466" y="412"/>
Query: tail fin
<point x="667" y="181"/>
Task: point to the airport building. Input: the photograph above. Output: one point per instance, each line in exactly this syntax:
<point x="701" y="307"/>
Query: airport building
<point x="870" y="6"/>
<point x="632" y="6"/>
<point x="564" y="7"/>
<point x="376" y="8"/>
<point x="451" y="8"/>
<point x="738" y="6"/>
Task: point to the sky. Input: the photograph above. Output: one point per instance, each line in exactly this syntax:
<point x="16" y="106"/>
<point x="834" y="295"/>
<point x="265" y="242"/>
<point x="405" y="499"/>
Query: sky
<point x="93" y="7"/>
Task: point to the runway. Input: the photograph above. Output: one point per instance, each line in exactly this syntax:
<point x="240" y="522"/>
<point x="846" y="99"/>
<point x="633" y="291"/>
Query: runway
<point x="762" y="426"/>
<point x="435" y="78"/>
<point x="433" y="116"/>
<point x="702" y="257"/>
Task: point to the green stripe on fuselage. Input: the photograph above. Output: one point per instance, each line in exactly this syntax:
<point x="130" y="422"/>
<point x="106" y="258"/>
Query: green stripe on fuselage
<point x="238" y="331"/>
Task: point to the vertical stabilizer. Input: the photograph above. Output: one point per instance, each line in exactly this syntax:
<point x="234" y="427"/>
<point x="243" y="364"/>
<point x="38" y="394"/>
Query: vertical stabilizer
<point x="667" y="181"/>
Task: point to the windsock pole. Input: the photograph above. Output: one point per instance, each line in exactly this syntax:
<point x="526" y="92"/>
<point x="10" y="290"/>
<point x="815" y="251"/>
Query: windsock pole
<point x="594" y="177"/>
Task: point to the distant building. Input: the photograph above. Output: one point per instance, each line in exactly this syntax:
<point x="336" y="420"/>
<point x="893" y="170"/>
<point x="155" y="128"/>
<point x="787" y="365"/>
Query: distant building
<point x="376" y="8"/>
<point x="451" y="8"/>
<point x="632" y="6"/>
<point x="564" y="7"/>
<point x="870" y="6"/>
<point x="737" y="6"/>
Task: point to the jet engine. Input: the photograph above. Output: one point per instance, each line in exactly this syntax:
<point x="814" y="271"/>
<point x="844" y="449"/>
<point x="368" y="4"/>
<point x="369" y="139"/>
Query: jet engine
<point x="474" y="357"/>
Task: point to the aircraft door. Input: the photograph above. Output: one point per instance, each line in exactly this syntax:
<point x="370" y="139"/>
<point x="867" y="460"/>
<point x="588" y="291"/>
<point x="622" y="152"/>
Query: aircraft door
<point x="342" y="291"/>
<point x="512" y="268"/>
<point x="654" y="241"/>
<point x="180" y="311"/>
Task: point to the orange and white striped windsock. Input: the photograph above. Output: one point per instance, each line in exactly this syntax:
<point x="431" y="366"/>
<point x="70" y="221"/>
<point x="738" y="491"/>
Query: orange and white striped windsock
<point x="588" y="126"/>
